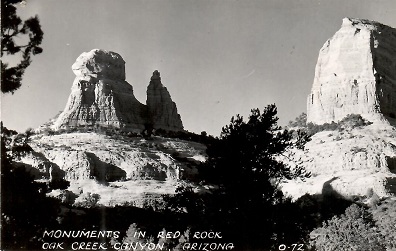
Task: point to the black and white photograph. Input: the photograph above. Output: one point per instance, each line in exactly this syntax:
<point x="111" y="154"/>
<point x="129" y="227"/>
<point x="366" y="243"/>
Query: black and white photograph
<point x="205" y="125"/>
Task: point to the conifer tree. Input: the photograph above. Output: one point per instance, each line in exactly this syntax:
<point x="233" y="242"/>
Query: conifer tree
<point x="244" y="170"/>
<point x="13" y="29"/>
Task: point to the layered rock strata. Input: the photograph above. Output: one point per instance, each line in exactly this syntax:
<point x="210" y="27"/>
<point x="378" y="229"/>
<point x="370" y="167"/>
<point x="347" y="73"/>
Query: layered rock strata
<point x="162" y="110"/>
<point x="355" y="74"/>
<point x="120" y="169"/>
<point x="100" y="96"/>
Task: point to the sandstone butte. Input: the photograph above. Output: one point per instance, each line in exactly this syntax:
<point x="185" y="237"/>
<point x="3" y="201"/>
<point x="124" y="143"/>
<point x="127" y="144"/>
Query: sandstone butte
<point x="355" y="74"/>
<point x="100" y="96"/>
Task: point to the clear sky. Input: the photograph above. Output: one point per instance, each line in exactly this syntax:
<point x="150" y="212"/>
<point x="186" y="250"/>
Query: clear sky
<point x="217" y="58"/>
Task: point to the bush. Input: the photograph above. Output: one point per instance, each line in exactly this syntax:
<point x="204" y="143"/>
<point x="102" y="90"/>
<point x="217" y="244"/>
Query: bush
<point x="58" y="184"/>
<point x="353" y="230"/>
<point x="48" y="131"/>
<point x="67" y="197"/>
<point x="300" y="121"/>
<point x="203" y="137"/>
<point x="87" y="200"/>
<point x="350" y="121"/>
<point x="384" y="216"/>
<point x="357" y="149"/>
<point x="354" y="120"/>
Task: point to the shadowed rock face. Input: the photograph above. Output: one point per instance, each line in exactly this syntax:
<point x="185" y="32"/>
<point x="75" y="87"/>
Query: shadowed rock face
<point x="101" y="96"/>
<point x="355" y="74"/>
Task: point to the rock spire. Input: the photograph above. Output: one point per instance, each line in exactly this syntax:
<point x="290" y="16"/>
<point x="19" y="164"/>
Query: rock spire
<point x="355" y="74"/>
<point x="100" y="96"/>
<point x="161" y="109"/>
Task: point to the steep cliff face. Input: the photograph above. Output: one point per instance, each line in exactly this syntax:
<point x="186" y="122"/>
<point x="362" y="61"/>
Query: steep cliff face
<point x="100" y="96"/>
<point x="355" y="74"/>
<point x="162" y="110"/>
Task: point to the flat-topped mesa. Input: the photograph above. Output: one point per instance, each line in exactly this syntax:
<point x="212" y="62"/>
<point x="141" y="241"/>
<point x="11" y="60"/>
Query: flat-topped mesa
<point x="100" y="96"/>
<point x="355" y="74"/>
<point x="162" y="110"/>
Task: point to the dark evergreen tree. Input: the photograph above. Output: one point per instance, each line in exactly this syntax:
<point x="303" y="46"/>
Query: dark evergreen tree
<point x="12" y="27"/>
<point x="25" y="209"/>
<point x="244" y="169"/>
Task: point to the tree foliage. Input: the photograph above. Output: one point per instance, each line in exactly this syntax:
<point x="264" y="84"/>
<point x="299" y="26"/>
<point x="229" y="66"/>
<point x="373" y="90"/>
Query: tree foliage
<point x="250" y="150"/>
<point x="87" y="200"/>
<point x="25" y="209"/>
<point x="350" y="121"/>
<point x="384" y="216"/>
<point x="353" y="230"/>
<point x="13" y="30"/>
<point x="244" y="171"/>
<point x="300" y="121"/>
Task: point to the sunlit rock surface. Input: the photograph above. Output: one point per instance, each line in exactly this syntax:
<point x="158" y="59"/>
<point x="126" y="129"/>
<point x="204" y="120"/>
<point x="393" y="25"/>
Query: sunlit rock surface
<point x="350" y="162"/>
<point x="100" y="96"/>
<point x="355" y="74"/>
<point x="120" y="169"/>
<point x="162" y="110"/>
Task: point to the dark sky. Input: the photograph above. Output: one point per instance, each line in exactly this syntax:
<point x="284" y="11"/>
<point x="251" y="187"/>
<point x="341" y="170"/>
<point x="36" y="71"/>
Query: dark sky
<point x="217" y="58"/>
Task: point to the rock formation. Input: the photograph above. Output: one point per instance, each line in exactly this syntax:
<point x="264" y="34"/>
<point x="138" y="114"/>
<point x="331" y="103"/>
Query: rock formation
<point x="355" y="74"/>
<point x="162" y="110"/>
<point x="348" y="162"/>
<point x="100" y="96"/>
<point x="120" y="169"/>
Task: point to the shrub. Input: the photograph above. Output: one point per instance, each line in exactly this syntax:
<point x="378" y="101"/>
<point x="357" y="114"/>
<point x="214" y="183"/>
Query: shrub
<point x="357" y="149"/>
<point x="385" y="219"/>
<point x="203" y="138"/>
<point x="48" y="131"/>
<point x="58" y="184"/>
<point x="87" y="200"/>
<point x="354" y="120"/>
<point x="350" y="121"/>
<point x="353" y="230"/>
<point x="67" y="197"/>
<point x="300" y="121"/>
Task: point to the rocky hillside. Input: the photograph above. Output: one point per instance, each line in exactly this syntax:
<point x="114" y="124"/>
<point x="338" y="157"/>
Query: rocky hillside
<point x="351" y="161"/>
<point x="120" y="169"/>
<point x="355" y="74"/>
